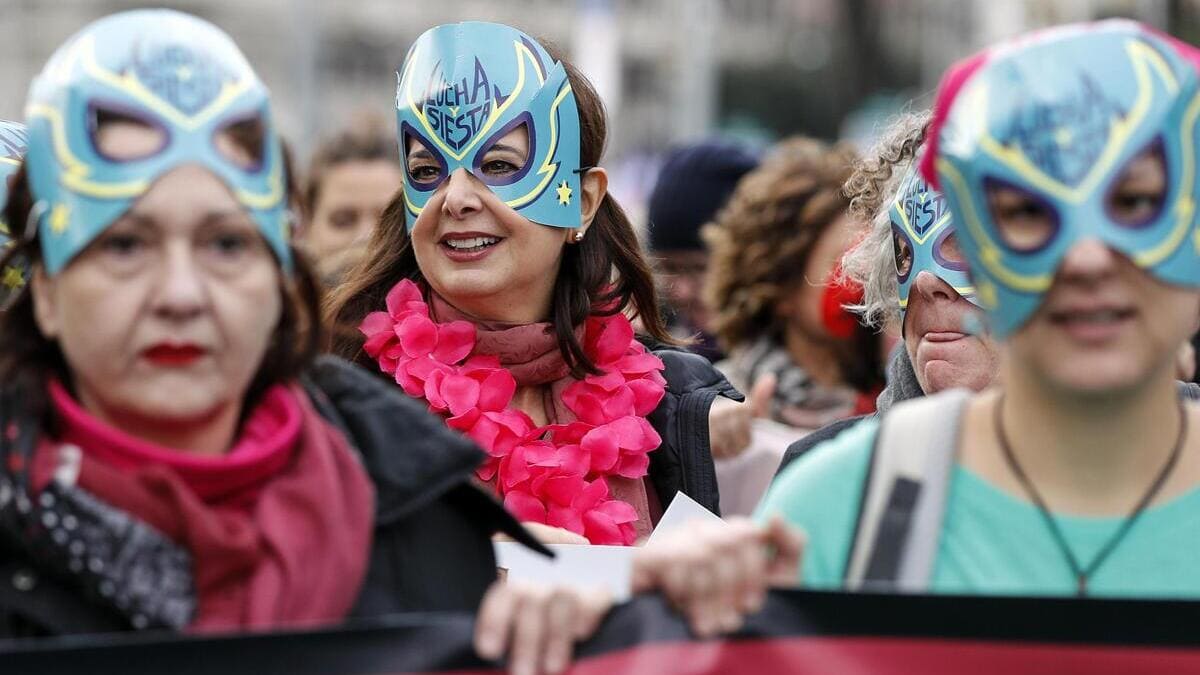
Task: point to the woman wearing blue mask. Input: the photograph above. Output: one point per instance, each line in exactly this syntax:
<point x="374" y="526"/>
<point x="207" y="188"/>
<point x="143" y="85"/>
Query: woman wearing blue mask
<point x="174" y="456"/>
<point x="499" y="289"/>
<point x="1068" y="160"/>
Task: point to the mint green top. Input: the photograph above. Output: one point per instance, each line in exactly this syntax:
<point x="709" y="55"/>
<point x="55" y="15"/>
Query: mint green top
<point x="992" y="542"/>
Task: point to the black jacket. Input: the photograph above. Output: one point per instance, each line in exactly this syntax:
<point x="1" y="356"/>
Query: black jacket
<point x="431" y="549"/>
<point x="683" y="463"/>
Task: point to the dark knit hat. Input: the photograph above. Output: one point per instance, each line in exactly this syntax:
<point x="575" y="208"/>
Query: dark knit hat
<point x="694" y="183"/>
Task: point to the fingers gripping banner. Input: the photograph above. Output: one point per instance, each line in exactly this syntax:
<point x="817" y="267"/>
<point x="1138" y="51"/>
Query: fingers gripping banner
<point x="797" y="632"/>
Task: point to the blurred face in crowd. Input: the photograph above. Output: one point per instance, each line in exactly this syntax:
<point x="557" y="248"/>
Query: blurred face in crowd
<point x="166" y="316"/>
<point x="1105" y="324"/>
<point x="683" y="282"/>
<point x="802" y="309"/>
<point x="941" y="335"/>
<point x="477" y="252"/>
<point x="351" y="197"/>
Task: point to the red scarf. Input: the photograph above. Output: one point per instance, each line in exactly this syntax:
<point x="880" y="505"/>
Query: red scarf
<point x="279" y="528"/>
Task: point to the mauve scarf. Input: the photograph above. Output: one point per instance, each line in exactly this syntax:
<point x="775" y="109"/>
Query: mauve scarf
<point x="279" y="528"/>
<point x="530" y="352"/>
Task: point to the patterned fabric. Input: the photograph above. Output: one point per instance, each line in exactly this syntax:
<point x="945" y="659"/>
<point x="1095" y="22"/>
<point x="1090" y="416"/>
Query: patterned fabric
<point x="798" y="401"/>
<point x="104" y="553"/>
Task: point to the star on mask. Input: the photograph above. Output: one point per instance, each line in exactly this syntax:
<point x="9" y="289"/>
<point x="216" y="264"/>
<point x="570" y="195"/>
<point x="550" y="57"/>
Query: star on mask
<point x="564" y="193"/>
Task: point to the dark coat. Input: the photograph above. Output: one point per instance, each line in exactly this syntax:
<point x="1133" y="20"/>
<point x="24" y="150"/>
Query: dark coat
<point x="683" y="463"/>
<point x="432" y="542"/>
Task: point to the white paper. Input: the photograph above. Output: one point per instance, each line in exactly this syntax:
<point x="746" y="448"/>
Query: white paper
<point x="683" y="510"/>
<point x="589" y="567"/>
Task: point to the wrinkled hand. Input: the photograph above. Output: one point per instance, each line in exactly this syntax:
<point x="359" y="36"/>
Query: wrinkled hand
<point x="715" y="575"/>
<point x="536" y="626"/>
<point x="730" y="423"/>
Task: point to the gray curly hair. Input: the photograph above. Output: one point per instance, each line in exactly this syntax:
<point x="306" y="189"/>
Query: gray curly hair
<point x="870" y="189"/>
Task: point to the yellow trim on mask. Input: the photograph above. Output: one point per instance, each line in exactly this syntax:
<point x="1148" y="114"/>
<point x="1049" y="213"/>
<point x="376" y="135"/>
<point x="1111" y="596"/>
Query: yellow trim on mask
<point x="131" y="85"/>
<point x="1185" y="206"/>
<point x="75" y="172"/>
<point x="548" y="168"/>
<point x="989" y="253"/>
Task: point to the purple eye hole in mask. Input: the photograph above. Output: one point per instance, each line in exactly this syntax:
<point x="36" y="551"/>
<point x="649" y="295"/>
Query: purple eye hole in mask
<point x="102" y="113"/>
<point x="525" y="120"/>
<point x="410" y="134"/>
<point x="903" y="254"/>
<point x="949" y="238"/>
<point x="1155" y="152"/>
<point x="1028" y="238"/>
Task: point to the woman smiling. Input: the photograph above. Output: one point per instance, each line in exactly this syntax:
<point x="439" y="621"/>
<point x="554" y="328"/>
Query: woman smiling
<point x="498" y="290"/>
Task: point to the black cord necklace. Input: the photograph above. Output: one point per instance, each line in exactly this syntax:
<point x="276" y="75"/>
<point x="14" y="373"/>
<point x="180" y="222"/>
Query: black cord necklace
<point x="1082" y="574"/>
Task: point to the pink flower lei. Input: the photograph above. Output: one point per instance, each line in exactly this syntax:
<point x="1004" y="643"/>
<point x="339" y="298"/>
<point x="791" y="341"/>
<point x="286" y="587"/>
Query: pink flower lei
<point x="554" y="474"/>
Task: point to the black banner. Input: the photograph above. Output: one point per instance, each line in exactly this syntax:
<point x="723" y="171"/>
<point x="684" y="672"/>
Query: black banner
<point x="797" y="632"/>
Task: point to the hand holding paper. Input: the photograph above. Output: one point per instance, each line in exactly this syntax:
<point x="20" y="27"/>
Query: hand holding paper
<point x="715" y="573"/>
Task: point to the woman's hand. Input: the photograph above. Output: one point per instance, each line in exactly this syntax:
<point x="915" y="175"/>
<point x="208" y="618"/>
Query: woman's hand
<point x="730" y="424"/>
<point x="716" y="574"/>
<point x="536" y="626"/>
<point x="547" y="535"/>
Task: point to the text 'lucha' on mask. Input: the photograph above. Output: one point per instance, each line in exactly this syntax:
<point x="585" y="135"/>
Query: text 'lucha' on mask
<point x="1039" y="142"/>
<point x="461" y="89"/>
<point x="175" y="77"/>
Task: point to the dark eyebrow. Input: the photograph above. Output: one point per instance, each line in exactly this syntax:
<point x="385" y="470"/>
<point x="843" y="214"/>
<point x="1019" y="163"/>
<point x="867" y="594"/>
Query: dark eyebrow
<point x="421" y="154"/>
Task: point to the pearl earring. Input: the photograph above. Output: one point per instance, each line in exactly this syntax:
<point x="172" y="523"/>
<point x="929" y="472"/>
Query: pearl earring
<point x="578" y="236"/>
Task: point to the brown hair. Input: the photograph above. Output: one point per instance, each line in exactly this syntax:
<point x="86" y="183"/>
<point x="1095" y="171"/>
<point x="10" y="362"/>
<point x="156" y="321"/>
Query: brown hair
<point x="761" y="240"/>
<point x="28" y="358"/>
<point x="368" y="139"/>
<point x="606" y="269"/>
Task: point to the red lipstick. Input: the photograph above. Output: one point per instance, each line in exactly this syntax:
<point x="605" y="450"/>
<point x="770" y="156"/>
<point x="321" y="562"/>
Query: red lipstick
<point x="174" y="355"/>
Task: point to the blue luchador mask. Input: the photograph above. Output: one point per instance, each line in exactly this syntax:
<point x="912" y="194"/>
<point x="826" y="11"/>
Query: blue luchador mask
<point x="168" y="71"/>
<point x="12" y="149"/>
<point x="923" y="239"/>
<point x="1059" y="117"/>
<point x="462" y="88"/>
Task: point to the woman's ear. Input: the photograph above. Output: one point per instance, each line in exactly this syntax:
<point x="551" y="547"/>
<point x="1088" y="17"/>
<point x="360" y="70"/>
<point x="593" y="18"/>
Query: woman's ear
<point x="42" y="288"/>
<point x="595" y="186"/>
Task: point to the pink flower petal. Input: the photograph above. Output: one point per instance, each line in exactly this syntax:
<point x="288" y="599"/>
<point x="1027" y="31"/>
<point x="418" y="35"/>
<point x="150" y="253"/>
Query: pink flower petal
<point x="432" y="394"/>
<point x="402" y="296"/>
<point x="418" y="335"/>
<point x="602" y="446"/>
<point x="592" y="495"/>
<point x="566" y="518"/>
<point x="375" y="323"/>
<point x="600" y="529"/>
<point x="488" y="469"/>
<point x="525" y="507"/>
<point x="646" y="396"/>
<point x="562" y="490"/>
<point x="620" y="512"/>
<point x="619" y="404"/>
<point x="633" y="466"/>
<point x="461" y="393"/>
<point x="496" y="390"/>
<point x="574" y="459"/>
<point x="465" y="421"/>
<point x="455" y="341"/>
<point x="615" y="334"/>
<point x="514" y="468"/>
